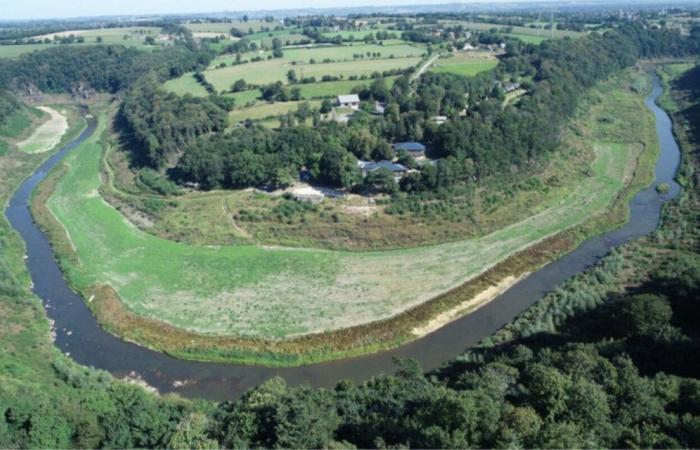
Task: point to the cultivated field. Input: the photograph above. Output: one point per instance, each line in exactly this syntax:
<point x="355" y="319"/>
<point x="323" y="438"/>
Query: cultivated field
<point x="274" y="292"/>
<point x="270" y="71"/>
<point x="128" y="36"/>
<point x="481" y="26"/>
<point x="263" y="110"/>
<point x="225" y="27"/>
<point x="465" y="63"/>
<point x="303" y="55"/>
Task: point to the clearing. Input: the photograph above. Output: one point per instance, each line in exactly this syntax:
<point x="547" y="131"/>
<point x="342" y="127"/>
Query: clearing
<point x="465" y="63"/>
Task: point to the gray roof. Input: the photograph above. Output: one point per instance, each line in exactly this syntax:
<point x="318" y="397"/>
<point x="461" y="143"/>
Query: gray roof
<point x="351" y="98"/>
<point x="370" y="166"/>
<point x="410" y="146"/>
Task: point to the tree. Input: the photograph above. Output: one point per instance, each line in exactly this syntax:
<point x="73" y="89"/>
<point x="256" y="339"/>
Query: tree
<point x="645" y="315"/>
<point x="381" y="180"/>
<point x="326" y="106"/>
<point x="239" y="85"/>
<point x="338" y="167"/>
<point x="292" y="76"/>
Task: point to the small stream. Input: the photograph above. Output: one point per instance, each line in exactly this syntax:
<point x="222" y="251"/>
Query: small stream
<point x="80" y="336"/>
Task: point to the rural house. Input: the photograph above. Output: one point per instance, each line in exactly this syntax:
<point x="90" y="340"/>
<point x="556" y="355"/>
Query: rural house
<point x="416" y="149"/>
<point x="399" y="170"/>
<point x="352" y="101"/>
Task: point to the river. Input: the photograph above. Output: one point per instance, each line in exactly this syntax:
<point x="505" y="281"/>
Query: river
<point x="79" y="335"/>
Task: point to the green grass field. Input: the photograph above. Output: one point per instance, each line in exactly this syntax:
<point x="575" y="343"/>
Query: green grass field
<point x="355" y="35"/>
<point x="275" y="292"/>
<point x="270" y="71"/>
<point x="303" y="55"/>
<point x="263" y="110"/>
<point x="128" y="36"/>
<point x="527" y="38"/>
<point x="482" y="26"/>
<point x="186" y="84"/>
<point x="225" y="27"/>
<point x="465" y="63"/>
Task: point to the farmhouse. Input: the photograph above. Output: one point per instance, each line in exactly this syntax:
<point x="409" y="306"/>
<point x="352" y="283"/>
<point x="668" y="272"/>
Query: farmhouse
<point x="399" y="170"/>
<point x="352" y="101"/>
<point x="510" y="87"/>
<point x="416" y="149"/>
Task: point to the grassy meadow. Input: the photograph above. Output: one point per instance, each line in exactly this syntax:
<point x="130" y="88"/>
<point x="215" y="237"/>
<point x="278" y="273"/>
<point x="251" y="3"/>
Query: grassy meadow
<point x="128" y="36"/>
<point x="465" y="63"/>
<point x="270" y="71"/>
<point x="263" y="110"/>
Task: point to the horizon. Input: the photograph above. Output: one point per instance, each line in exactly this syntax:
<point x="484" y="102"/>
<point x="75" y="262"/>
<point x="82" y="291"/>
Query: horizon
<point x="76" y="9"/>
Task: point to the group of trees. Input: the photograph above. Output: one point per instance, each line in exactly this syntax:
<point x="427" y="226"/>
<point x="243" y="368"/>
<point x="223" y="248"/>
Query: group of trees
<point x="106" y="68"/>
<point x="158" y="125"/>
<point x="625" y="376"/>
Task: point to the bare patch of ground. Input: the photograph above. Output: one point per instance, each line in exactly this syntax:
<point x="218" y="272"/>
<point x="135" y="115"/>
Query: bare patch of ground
<point x="468" y="305"/>
<point x="47" y="135"/>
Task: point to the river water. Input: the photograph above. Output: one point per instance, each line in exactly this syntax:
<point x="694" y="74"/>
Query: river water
<point x="79" y="335"/>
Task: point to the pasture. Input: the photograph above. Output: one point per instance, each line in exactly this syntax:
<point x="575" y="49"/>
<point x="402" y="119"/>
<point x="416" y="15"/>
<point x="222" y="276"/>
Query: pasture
<point x="186" y="84"/>
<point x="128" y="36"/>
<point x="225" y="27"/>
<point x="465" y="63"/>
<point x="270" y="71"/>
<point x="276" y="292"/>
<point x="546" y="34"/>
<point x="263" y="110"/>
<point x="336" y="53"/>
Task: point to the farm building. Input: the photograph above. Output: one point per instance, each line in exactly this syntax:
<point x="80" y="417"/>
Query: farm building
<point x="352" y="101"/>
<point x="510" y="87"/>
<point x="399" y="170"/>
<point x="413" y="148"/>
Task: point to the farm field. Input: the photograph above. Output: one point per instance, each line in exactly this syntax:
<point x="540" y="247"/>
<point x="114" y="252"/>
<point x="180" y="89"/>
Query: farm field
<point x="274" y="292"/>
<point x="270" y="71"/>
<point x="225" y="27"/>
<point x="355" y="35"/>
<point x="465" y="63"/>
<point x="185" y="84"/>
<point x="481" y="26"/>
<point x="336" y="53"/>
<point x="528" y="38"/>
<point x="134" y="38"/>
<point x="129" y="36"/>
<point x="264" y="110"/>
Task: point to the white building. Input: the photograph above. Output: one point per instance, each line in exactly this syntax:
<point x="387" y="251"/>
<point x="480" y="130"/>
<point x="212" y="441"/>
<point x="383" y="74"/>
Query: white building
<point x="352" y="101"/>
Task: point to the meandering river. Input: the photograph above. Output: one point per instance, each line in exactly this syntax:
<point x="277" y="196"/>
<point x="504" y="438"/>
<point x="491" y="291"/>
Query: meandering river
<point x="79" y="335"/>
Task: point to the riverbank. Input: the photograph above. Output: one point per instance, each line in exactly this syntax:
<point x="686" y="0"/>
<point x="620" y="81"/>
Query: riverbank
<point x="117" y="313"/>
